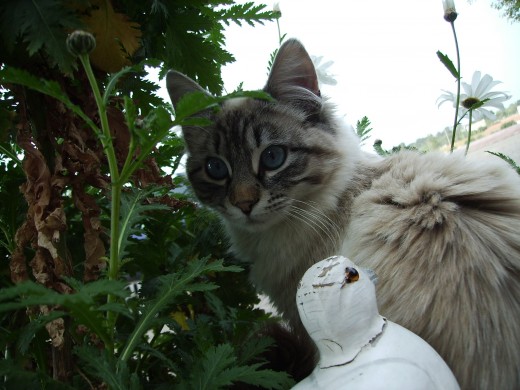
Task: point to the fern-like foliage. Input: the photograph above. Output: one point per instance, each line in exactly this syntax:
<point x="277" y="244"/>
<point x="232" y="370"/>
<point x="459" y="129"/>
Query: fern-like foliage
<point x="99" y="364"/>
<point x="218" y="369"/>
<point x="133" y="211"/>
<point x="249" y="13"/>
<point x="169" y="287"/>
<point x="194" y="35"/>
<point x="507" y="159"/>
<point x="41" y="26"/>
<point x="363" y="129"/>
<point x="114" y="134"/>
<point x="378" y="147"/>
<point x="81" y="306"/>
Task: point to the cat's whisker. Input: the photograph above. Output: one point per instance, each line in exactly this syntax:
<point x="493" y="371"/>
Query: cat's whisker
<point x="307" y="222"/>
<point x="320" y="217"/>
<point x="314" y="221"/>
<point x="318" y="212"/>
<point x="317" y="220"/>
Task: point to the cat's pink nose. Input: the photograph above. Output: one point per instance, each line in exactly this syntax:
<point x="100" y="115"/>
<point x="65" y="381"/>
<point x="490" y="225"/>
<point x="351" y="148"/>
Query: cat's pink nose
<point x="244" y="196"/>
<point x="246" y="205"/>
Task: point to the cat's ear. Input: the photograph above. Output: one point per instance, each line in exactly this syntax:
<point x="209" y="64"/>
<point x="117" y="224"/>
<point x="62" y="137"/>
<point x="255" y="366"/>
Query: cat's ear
<point x="293" y="76"/>
<point x="179" y="85"/>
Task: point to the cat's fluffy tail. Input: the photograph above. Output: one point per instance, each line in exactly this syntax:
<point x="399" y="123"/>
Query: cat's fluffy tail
<point x="443" y="235"/>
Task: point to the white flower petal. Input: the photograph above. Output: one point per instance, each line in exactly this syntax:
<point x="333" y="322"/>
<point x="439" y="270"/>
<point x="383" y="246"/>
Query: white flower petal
<point x="495" y="104"/>
<point x="475" y="80"/>
<point x="479" y="89"/>
<point x="488" y="114"/>
<point x="476" y="116"/>
<point x="447" y="96"/>
<point x="467" y="89"/>
<point x="485" y="85"/>
<point x="326" y="65"/>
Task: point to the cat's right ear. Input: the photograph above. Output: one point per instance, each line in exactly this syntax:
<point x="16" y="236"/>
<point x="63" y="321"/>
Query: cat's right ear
<point x="179" y="85"/>
<point x="293" y="78"/>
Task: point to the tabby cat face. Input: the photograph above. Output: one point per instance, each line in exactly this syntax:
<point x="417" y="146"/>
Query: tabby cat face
<point x="260" y="162"/>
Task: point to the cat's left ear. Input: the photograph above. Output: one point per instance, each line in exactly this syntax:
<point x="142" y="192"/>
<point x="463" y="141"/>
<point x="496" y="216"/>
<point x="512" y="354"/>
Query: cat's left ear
<point x="179" y="85"/>
<point x="293" y="76"/>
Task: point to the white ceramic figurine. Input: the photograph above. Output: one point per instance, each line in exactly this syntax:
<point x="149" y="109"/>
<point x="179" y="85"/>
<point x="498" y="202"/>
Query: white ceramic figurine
<point x="359" y="349"/>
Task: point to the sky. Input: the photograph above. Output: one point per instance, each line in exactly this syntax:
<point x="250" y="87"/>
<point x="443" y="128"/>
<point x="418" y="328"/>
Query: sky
<point x="384" y="57"/>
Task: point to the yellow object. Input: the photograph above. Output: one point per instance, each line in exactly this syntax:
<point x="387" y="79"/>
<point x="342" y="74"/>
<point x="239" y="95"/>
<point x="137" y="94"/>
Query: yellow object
<point x="117" y="37"/>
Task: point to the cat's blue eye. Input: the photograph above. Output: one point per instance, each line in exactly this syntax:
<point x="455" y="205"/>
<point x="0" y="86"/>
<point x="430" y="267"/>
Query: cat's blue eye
<point x="216" y="168"/>
<point x="273" y="157"/>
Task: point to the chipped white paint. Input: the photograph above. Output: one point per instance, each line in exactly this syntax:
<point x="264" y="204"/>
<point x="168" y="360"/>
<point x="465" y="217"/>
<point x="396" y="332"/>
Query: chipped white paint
<point x="359" y="349"/>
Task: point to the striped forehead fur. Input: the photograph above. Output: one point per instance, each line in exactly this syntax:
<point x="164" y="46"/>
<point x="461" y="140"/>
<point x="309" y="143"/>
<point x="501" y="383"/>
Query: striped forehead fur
<point x="248" y="124"/>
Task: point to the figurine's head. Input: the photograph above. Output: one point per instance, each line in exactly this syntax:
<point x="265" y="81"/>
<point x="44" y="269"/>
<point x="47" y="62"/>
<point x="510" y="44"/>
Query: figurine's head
<point x="337" y="304"/>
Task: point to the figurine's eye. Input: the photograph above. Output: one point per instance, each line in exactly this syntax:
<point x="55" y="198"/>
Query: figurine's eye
<point x="273" y="157"/>
<point x="351" y="276"/>
<point x="216" y="168"/>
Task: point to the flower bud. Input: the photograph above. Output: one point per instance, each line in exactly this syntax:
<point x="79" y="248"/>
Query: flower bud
<point x="277" y="10"/>
<point x="80" y="42"/>
<point x="450" y="14"/>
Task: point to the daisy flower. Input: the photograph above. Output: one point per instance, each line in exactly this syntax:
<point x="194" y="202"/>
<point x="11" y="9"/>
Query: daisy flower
<point x="477" y="97"/>
<point x="322" y="70"/>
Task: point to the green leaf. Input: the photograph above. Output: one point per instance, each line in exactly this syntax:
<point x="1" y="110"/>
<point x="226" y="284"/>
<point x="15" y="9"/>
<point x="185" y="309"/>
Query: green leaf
<point x="448" y="64"/>
<point x="266" y="379"/>
<point x="112" y="81"/>
<point x="132" y="213"/>
<point x="378" y="147"/>
<point x="253" y="347"/>
<point x="153" y="129"/>
<point x="116" y="308"/>
<point x="130" y="114"/>
<point x="195" y="102"/>
<point x="249" y="12"/>
<point x="363" y="129"/>
<point x="101" y="287"/>
<point x="51" y="88"/>
<point x="250" y="94"/>
<point x="102" y="365"/>
<point x="32" y="328"/>
<point x="15" y="377"/>
<point x="43" y="26"/>
<point x="507" y="159"/>
<point x="80" y="305"/>
<point x="209" y="372"/>
<point x="218" y="369"/>
<point x="170" y="286"/>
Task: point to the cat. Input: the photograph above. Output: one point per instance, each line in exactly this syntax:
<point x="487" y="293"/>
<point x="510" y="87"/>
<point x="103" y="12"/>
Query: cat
<point x="442" y="232"/>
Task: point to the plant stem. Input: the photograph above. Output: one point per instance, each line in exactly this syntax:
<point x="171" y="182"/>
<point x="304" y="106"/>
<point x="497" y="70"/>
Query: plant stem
<point x="116" y="185"/>
<point x="469" y="132"/>
<point x="455" y="123"/>
<point x="280" y="39"/>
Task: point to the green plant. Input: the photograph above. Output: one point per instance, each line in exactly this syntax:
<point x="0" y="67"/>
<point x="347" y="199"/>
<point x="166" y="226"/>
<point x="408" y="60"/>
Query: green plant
<point x="477" y="95"/>
<point x="363" y="129"/>
<point x="507" y="124"/>
<point x="110" y="272"/>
